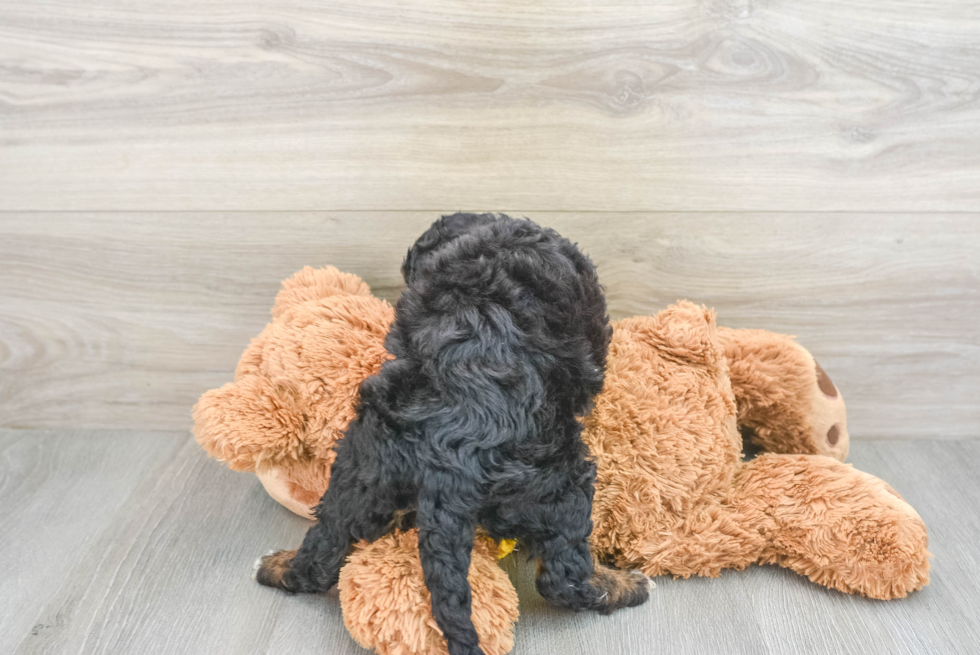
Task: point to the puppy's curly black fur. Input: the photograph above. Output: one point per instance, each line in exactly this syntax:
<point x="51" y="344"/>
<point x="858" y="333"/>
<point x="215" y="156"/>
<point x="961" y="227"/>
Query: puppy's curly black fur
<point x="500" y="344"/>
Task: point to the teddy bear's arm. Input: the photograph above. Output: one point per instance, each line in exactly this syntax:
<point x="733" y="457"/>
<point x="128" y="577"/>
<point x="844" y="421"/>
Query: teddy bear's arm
<point x="786" y="402"/>
<point x="250" y="421"/>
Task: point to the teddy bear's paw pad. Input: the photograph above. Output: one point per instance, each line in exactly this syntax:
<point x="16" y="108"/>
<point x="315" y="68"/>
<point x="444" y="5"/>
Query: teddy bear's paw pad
<point x="270" y="568"/>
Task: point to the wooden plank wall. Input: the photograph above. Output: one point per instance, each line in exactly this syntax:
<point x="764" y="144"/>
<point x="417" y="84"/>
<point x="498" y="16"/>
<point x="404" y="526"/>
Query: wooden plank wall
<point x="123" y="319"/>
<point x="811" y="168"/>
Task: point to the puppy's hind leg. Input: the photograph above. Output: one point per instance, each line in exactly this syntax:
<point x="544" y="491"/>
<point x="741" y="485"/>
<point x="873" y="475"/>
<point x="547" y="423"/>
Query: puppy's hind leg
<point x="446" y="522"/>
<point x="350" y="510"/>
<point x="558" y="534"/>
<point x="314" y="566"/>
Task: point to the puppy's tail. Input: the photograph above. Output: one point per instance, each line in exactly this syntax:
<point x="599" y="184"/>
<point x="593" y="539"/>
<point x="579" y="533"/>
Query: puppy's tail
<point x="447" y="521"/>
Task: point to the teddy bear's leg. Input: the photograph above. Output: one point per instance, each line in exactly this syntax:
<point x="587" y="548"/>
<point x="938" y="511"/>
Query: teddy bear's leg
<point x="840" y="527"/>
<point x="786" y="402"/>
<point x="387" y="606"/>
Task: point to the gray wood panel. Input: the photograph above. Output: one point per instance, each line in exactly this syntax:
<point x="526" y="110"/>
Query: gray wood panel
<point x="160" y="565"/>
<point x="672" y="105"/>
<point x="121" y="320"/>
<point x="59" y="494"/>
<point x="134" y="542"/>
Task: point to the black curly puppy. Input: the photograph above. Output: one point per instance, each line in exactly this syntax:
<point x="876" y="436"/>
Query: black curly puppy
<point x="500" y="344"/>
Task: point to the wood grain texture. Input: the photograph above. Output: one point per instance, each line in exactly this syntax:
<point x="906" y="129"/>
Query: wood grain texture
<point x="123" y="320"/>
<point x="381" y="104"/>
<point x="58" y="495"/>
<point x="134" y="542"/>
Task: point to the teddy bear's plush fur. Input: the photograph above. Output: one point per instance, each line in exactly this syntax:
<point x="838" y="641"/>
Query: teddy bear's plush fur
<point x="499" y="346"/>
<point x="673" y="494"/>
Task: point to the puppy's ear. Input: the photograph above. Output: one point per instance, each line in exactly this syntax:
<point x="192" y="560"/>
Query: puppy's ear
<point x="423" y="245"/>
<point x="453" y="225"/>
<point x="443" y="231"/>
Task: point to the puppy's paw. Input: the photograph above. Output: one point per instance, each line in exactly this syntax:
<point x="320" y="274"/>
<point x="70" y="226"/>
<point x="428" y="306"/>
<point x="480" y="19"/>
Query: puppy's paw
<point x="620" y="589"/>
<point x="257" y="564"/>
<point x="271" y="569"/>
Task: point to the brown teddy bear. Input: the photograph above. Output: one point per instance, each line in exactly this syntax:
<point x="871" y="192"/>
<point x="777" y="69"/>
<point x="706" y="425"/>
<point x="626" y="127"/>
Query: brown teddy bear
<point x="673" y="494"/>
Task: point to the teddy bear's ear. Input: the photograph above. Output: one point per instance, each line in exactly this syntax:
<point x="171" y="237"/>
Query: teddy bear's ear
<point x="315" y="283"/>
<point x="387" y="606"/>
<point x="251" y="361"/>
<point x="684" y="331"/>
<point x="250" y="421"/>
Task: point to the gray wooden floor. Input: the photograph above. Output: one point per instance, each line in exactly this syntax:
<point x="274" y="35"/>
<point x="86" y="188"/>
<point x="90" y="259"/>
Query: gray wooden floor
<point x="126" y="542"/>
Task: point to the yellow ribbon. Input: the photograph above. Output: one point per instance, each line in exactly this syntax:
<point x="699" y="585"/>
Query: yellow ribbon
<point x="506" y="547"/>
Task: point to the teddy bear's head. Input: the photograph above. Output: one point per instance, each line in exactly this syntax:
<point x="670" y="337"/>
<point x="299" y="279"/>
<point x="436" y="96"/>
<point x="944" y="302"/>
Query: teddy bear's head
<point x="296" y="385"/>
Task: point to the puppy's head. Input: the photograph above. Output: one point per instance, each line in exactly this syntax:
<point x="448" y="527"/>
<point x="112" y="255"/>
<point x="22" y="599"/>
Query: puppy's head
<point x="443" y="231"/>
